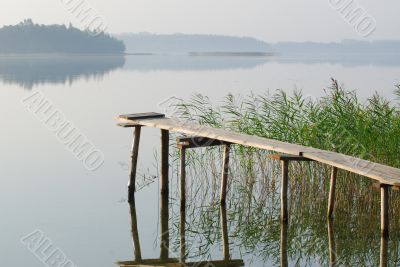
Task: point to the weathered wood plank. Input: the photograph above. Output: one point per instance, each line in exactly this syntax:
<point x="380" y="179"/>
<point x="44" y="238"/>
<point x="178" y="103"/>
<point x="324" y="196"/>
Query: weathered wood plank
<point x="195" y="129"/>
<point x="145" y="115"/>
<point x="287" y="157"/>
<point x="384" y="174"/>
<point x="198" y="141"/>
<point x="176" y="263"/>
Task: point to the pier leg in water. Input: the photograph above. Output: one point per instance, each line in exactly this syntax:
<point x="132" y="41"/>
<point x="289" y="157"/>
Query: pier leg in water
<point x="284" y="244"/>
<point x="225" y="172"/>
<point x="183" y="205"/>
<point x="225" y="237"/>
<point x="284" y="190"/>
<point x="164" y="195"/>
<point x="332" y="192"/>
<point x="134" y="230"/>
<point x="332" y="245"/>
<point x="384" y="251"/>
<point x="384" y="210"/>
<point x="134" y="160"/>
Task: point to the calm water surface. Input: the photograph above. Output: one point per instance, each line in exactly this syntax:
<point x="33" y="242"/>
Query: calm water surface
<point x="85" y="213"/>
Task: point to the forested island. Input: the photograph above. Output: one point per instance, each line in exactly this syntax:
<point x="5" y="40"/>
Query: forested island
<point x="28" y="37"/>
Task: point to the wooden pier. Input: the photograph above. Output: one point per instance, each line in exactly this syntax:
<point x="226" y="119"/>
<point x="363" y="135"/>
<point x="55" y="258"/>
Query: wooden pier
<point x="203" y="136"/>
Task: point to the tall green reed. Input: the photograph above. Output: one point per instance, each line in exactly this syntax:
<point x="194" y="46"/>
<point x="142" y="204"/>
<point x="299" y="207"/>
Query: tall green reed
<point x="338" y="121"/>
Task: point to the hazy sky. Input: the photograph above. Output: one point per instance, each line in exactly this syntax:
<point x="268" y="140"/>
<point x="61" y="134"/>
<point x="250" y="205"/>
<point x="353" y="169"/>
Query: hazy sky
<point x="283" y="20"/>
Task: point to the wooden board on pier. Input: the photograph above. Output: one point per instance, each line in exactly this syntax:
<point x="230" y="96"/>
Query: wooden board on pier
<point x="381" y="173"/>
<point x="177" y="263"/>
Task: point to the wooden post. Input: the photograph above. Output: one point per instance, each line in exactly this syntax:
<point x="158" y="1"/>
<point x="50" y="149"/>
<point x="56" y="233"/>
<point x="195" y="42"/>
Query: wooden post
<point x="164" y="195"/>
<point x="225" y="237"/>
<point x="225" y="172"/>
<point x="384" y="251"/>
<point x="134" y="160"/>
<point x="284" y="244"/>
<point x="385" y="210"/>
<point x="332" y="245"/>
<point x="284" y="190"/>
<point x="332" y="192"/>
<point x="183" y="205"/>
<point x="135" y="232"/>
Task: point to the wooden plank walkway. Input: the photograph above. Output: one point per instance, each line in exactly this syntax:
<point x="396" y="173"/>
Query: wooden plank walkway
<point x="381" y="173"/>
<point x="385" y="175"/>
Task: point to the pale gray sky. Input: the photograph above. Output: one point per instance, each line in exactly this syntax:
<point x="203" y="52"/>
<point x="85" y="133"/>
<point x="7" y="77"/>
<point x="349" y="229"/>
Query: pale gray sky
<point x="283" y="20"/>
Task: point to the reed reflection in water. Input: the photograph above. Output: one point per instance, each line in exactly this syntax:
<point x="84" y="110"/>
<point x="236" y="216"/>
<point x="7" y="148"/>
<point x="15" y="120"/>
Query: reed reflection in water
<point x="249" y="227"/>
<point x="164" y="259"/>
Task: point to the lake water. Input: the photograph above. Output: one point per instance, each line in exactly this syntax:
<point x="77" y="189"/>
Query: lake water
<point x="84" y="213"/>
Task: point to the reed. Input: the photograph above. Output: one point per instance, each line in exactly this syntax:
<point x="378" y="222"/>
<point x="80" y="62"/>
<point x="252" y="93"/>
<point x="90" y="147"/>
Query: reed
<point x="338" y="121"/>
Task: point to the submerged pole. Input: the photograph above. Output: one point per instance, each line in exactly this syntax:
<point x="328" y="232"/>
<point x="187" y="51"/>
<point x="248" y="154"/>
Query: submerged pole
<point x="134" y="160"/>
<point x="164" y="195"/>
<point x="284" y="244"/>
<point x="225" y="172"/>
<point x="332" y="192"/>
<point x="183" y="205"/>
<point x="135" y="232"/>
<point x="385" y="210"/>
<point x="383" y="261"/>
<point x="225" y="236"/>
<point x="332" y="245"/>
<point x="284" y="190"/>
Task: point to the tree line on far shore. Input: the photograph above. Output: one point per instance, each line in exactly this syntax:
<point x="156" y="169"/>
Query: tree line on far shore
<point x="28" y="37"/>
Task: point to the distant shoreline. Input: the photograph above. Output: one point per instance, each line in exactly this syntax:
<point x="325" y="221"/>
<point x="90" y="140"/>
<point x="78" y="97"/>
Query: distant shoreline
<point x="38" y="55"/>
<point x="231" y="54"/>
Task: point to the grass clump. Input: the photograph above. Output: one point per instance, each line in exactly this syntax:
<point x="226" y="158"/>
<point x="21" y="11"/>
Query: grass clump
<point x="339" y="121"/>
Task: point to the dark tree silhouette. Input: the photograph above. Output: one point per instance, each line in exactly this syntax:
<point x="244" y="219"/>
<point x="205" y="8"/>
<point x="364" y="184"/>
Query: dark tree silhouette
<point x="28" y="37"/>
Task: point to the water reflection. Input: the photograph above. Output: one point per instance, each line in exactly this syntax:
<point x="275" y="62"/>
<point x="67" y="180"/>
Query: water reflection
<point x="30" y="71"/>
<point x="352" y="238"/>
<point x="348" y="60"/>
<point x="292" y="251"/>
<point x="164" y="259"/>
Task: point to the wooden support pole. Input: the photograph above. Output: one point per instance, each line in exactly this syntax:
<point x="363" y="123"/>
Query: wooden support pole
<point x="225" y="172"/>
<point x="332" y="244"/>
<point x="135" y="232"/>
<point x="332" y="192"/>
<point x="134" y="160"/>
<point x="183" y="205"/>
<point x="385" y="210"/>
<point x="383" y="261"/>
<point x="225" y="236"/>
<point x="284" y="244"/>
<point x="284" y="190"/>
<point x="164" y="195"/>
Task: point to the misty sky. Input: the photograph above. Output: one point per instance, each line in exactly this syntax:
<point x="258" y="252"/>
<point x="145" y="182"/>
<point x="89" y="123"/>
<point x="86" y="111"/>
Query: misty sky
<point x="284" y="20"/>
